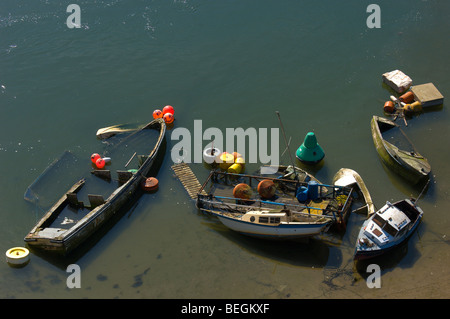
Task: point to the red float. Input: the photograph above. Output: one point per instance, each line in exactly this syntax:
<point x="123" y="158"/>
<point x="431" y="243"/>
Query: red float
<point x="150" y="184"/>
<point x="168" y="118"/>
<point x="157" y="114"/>
<point x="168" y="109"/>
<point x="100" y="163"/>
<point x="95" y="157"/>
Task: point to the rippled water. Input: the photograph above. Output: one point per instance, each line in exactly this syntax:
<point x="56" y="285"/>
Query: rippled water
<point x="230" y="64"/>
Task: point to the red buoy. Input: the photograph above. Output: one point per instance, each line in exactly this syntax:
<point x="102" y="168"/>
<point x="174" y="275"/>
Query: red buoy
<point x="168" y="109"/>
<point x="100" y="163"/>
<point x="157" y="114"/>
<point x="95" y="157"/>
<point x="168" y="118"/>
<point x="150" y="184"/>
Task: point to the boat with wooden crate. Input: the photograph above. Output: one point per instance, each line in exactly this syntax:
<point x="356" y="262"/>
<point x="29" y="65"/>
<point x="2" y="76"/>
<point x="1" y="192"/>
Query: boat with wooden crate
<point x="274" y="208"/>
<point x="70" y="221"/>
<point x="397" y="151"/>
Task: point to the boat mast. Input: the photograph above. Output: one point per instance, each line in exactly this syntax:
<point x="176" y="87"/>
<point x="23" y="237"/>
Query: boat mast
<point x="287" y="145"/>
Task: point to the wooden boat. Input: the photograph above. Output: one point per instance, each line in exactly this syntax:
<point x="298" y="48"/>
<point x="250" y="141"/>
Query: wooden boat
<point x="387" y="228"/>
<point x="397" y="151"/>
<point x="349" y="178"/>
<point x="287" y="214"/>
<point x="70" y="221"/>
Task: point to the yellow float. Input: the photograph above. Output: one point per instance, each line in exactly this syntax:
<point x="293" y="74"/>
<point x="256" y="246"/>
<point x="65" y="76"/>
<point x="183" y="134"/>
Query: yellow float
<point x="17" y="256"/>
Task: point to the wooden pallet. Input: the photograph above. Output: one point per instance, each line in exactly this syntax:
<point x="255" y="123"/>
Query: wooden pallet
<point x="188" y="179"/>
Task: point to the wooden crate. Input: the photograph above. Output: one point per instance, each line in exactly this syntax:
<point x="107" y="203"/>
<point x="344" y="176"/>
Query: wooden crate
<point x="427" y="94"/>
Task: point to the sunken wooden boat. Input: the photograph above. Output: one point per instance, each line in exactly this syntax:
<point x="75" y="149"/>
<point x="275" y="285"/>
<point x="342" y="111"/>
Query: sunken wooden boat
<point x="389" y="227"/>
<point x="270" y="208"/>
<point x="350" y="178"/>
<point x="397" y="151"/>
<point x="69" y="222"/>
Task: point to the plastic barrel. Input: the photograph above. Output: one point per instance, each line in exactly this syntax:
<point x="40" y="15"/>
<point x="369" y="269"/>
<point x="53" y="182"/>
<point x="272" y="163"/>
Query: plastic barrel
<point x="313" y="190"/>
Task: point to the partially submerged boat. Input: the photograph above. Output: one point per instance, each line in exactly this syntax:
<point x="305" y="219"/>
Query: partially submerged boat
<point x="70" y="221"/>
<point x="349" y="178"/>
<point x="276" y="212"/>
<point x="397" y="151"/>
<point x="387" y="228"/>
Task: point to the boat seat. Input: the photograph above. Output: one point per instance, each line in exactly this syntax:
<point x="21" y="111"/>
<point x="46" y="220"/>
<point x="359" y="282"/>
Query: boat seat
<point x="95" y="200"/>
<point x="72" y="198"/>
<point x="142" y="159"/>
<point x="105" y="174"/>
<point x="124" y="176"/>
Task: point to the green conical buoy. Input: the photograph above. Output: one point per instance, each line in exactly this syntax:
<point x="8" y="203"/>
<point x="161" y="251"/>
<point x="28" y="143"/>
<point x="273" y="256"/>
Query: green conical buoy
<point x="310" y="151"/>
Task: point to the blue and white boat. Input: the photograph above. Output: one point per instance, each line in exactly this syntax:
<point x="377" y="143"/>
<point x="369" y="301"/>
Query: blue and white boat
<point x="387" y="228"/>
<point x="287" y="214"/>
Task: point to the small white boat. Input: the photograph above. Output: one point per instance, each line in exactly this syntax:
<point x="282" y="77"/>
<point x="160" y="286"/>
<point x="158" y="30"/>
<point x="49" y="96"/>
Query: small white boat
<point x="282" y="224"/>
<point x="387" y="228"/>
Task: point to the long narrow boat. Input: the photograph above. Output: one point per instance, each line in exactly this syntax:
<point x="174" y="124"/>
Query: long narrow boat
<point x="283" y="214"/>
<point x="387" y="228"/>
<point x="397" y="151"/>
<point x="70" y="221"/>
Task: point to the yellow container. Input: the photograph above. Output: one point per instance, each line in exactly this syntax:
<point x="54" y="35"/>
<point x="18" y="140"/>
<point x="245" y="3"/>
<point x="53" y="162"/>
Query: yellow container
<point x="235" y="168"/>
<point x="413" y="107"/>
<point x="225" y="160"/>
<point x="240" y="161"/>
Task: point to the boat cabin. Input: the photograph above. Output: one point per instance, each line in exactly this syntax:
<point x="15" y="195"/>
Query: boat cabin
<point x="265" y="217"/>
<point x="387" y="224"/>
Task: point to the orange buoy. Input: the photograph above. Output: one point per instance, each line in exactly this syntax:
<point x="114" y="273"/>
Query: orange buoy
<point x="242" y="191"/>
<point x="100" y="163"/>
<point x="168" y="109"/>
<point x="168" y="118"/>
<point x="150" y="184"/>
<point x="266" y="188"/>
<point x="95" y="157"/>
<point x="408" y="97"/>
<point x="157" y="114"/>
<point x="389" y="107"/>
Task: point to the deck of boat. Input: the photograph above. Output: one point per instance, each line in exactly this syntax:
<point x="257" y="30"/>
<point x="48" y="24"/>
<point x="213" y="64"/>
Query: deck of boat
<point x="98" y="186"/>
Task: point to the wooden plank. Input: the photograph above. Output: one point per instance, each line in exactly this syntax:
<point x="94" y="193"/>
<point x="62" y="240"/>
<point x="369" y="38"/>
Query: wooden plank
<point x="96" y="200"/>
<point x="427" y="94"/>
<point x="187" y="179"/>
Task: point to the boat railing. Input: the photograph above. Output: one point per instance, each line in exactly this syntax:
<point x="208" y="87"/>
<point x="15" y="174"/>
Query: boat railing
<point x="297" y="210"/>
<point x="214" y="176"/>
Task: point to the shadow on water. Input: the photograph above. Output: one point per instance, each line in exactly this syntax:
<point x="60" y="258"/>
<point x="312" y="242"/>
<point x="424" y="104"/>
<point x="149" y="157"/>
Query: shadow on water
<point x="307" y="252"/>
<point x="62" y="261"/>
<point x="403" y="256"/>
<point x="421" y="188"/>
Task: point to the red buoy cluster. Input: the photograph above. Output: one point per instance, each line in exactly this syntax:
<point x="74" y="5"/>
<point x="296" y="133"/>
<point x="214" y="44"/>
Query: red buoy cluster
<point x="98" y="161"/>
<point x="167" y="114"/>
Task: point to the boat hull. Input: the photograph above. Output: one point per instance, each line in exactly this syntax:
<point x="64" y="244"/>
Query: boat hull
<point x="282" y="231"/>
<point x="63" y="241"/>
<point x="413" y="168"/>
